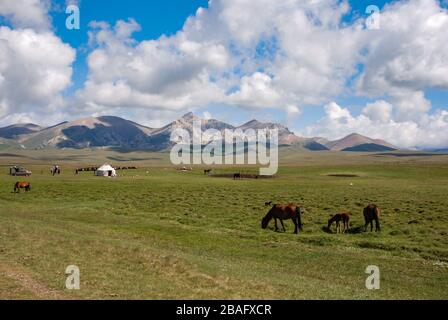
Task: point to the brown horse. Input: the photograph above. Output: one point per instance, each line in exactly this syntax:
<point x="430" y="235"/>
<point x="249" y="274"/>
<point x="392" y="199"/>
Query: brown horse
<point x="372" y="213"/>
<point x="344" y="217"/>
<point x="237" y="176"/>
<point x="207" y="171"/>
<point x="283" y="212"/>
<point x="22" y="185"/>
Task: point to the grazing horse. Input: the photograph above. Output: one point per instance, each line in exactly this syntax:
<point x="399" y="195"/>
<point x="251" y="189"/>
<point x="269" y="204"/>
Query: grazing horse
<point x="236" y="176"/>
<point x="372" y="213"/>
<point x="283" y="212"/>
<point x="344" y="217"/>
<point x="22" y="185"/>
<point x="207" y="171"/>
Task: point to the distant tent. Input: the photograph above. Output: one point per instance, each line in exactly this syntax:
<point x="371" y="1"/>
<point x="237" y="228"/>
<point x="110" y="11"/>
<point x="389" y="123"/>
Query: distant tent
<point x="106" y="171"/>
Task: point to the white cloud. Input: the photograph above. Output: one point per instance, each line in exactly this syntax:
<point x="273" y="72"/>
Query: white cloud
<point x="409" y="51"/>
<point x="252" y="54"/>
<point x="218" y="56"/>
<point x="256" y="91"/>
<point x="171" y="73"/>
<point x="35" y="65"/>
<point x="26" y="13"/>
<point x="262" y="54"/>
<point x="428" y="131"/>
<point x="410" y="105"/>
<point x="380" y="111"/>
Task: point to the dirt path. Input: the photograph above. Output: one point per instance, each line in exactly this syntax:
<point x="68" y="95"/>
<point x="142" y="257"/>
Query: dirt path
<point x="24" y="280"/>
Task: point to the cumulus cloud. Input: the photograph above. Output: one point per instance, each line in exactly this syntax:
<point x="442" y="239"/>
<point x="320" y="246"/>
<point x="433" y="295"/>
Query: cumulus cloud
<point x="26" y="13"/>
<point x="428" y="131"/>
<point x="260" y="54"/>
<point x="409" y="51"/>
<point x="170" y="73"/>
<point x="380" y="111"/>
<point x="251" y="54"/>
<point x="34" y="68"/>
<point x="245" y="53"/>
<point x="35" y="65"/>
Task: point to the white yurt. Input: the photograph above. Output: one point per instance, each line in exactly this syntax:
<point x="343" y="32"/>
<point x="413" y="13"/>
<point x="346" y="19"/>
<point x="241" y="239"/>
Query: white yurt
<point x="106" y="170"/>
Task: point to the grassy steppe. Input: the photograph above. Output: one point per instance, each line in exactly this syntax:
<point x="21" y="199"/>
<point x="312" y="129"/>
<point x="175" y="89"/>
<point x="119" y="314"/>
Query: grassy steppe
<point x="157" y="233"/>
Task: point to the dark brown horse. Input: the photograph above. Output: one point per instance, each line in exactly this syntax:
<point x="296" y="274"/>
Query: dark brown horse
<point x="372" y="213"/>
<point x="284" y="212"/>
<point x="207" y="171"/>
<point x="22" y="185"/>
<point x="343" y="217"/>
<point x="237" y="176"/>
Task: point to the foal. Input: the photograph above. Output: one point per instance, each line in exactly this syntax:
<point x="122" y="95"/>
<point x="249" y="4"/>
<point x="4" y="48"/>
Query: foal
<point x="344" y="217"/>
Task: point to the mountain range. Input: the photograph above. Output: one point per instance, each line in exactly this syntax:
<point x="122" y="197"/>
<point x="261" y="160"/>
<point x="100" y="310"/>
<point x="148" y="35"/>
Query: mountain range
<point x="117" y="133"/>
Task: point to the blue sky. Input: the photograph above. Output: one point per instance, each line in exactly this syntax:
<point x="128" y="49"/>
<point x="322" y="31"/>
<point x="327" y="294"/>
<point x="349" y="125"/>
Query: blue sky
<point x="156" y="18"/>
<point x="312" y="66"/>
<point x="159" y="18"/>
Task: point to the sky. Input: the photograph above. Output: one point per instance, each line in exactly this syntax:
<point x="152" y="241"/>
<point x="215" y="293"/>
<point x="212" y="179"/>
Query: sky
<point x="321" y="67"/>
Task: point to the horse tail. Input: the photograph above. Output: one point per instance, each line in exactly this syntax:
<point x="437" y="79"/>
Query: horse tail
<point x="377" y="218"/>
<point x="299" y="217"/>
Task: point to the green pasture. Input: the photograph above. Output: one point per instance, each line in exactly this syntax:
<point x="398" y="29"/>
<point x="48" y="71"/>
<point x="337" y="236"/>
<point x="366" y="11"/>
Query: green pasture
<point x="158" y="233"/>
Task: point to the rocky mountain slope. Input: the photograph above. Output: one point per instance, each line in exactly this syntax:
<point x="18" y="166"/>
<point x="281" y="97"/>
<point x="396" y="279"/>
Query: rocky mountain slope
<point x="118" y="133"/>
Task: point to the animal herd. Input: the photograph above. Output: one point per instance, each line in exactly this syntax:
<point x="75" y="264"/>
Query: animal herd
<point x="342" y="220"/>
<point x="279" y="212"/>
<point x="90" y="169"/>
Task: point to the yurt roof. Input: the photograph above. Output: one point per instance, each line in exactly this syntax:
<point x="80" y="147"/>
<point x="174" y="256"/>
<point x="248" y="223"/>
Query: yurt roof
<point x="106" y="167"/>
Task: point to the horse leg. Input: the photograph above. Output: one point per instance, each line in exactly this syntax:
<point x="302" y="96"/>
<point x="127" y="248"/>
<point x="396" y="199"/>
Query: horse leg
<point x="365" y="225"/>
<point x="281" y="221"/>
<point x="296" y="225"/>
<point x="371" y="226"/>
<point x="377" y="225"/>
<point x="276" y="227"/>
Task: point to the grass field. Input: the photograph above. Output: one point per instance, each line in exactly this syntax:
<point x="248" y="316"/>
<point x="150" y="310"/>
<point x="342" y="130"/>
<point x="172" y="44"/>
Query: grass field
<point x="157" y="233"/>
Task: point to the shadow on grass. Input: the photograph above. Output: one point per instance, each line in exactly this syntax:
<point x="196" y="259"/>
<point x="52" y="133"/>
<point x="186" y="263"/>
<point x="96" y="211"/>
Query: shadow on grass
<point x="352" y="230"/>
